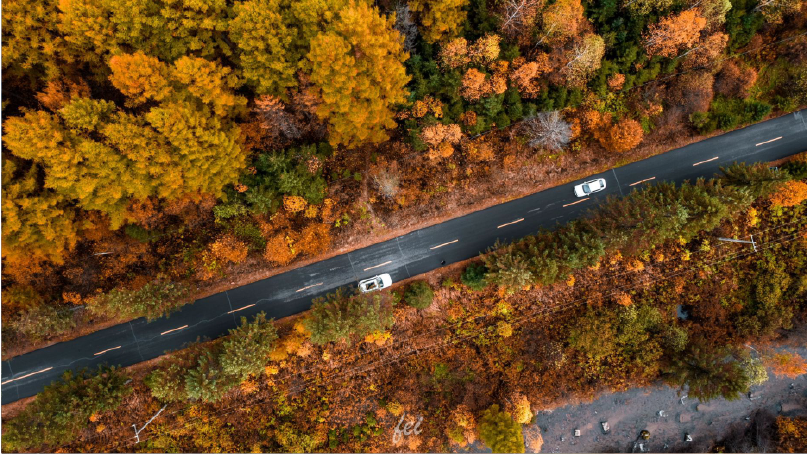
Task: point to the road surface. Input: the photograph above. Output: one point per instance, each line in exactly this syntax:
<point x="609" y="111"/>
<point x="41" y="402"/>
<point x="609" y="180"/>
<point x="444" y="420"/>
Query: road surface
<point x="408" y="255"/>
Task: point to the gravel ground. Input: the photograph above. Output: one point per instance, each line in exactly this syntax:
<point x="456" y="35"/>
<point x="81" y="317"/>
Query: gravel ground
<point x="659" y="410"/>
<point x="741" y="425"/>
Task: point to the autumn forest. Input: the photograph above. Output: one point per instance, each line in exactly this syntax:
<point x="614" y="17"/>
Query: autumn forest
<point x="159" y="151"/>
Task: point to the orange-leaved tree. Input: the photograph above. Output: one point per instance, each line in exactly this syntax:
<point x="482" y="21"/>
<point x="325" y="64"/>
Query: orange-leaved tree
<point x="790" y="194"/>
<point x="621" y="136"/>
<point x="788" y="364"/>
<point x="673" y="33"/>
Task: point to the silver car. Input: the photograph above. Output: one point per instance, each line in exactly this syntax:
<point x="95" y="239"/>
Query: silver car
<point x="375" y="283"/>
<point x="589" y="187"/>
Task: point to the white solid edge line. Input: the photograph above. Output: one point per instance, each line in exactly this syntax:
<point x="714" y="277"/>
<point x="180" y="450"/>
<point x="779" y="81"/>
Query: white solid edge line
<point x="444" y="244"/>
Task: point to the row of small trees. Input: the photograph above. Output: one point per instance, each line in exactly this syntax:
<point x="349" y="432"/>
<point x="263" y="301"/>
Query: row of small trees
<point x="208" y="374"/>
<point x="639" y="222"/>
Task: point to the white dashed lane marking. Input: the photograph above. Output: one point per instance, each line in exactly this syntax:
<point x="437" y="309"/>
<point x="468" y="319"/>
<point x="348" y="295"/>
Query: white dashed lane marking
<point x="575" y="203"/>
<point x="444" y="244"/>
<point x="642" y="181"/>
<point x="310" y="286"/>
<point x="172" y="330"/>
<point x="236" y="310"/>
<point x="26" y="376"/>
<point x="379" y="265"/>
<point x="104" y="351"/>
<point x="510" y="223"/>
<point x="769" y="141"/>
<point x="704" y="162"/>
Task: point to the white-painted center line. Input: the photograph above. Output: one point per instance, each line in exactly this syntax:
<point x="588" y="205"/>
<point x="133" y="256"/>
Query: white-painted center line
<point x="172" y="330"/>
<point x="444" y="244"/>
<point x="241" y="308"/>
<point x="703" y="162"/>
<point x="104" y="351"/>
<point x="382" y="264"/>
<point x="26" y="376"/>
<point x="640" y="182"/>
<point x="510" y="223"/>
<point x="769" y="141"/>
<point x="306" y="288"/>
<point x="575" y="203"/>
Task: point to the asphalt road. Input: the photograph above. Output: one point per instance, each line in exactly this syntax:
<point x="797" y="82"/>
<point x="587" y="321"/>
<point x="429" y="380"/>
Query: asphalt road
<point x="408" y="255"/>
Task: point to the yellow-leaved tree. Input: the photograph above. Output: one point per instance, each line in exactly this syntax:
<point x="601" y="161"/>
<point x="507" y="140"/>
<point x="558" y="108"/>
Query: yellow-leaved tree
<point x="357" y="65"/>
<point x="441" y="19"/>
<point x="37" y="222"/>
<point x="100" y="158"/>
<point x="166" y="29"/>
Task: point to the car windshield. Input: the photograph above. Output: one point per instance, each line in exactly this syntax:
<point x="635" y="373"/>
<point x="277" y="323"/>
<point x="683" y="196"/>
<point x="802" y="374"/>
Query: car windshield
<point x="586" y="189"/>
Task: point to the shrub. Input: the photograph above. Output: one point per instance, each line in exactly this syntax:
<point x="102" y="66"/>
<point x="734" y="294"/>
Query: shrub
<point x="474" y="276"/>
<point x="38" y="323"/>
<point x="246" y="349"/>
<point x="499" y="432"/>
<point x="152" y="301"/>
<point x="709" y="373"/>
<point x="419" y="295"/>
<point x="219" y="368"/>
<point x="63" y="408"/>
<point x="338" y="317"/>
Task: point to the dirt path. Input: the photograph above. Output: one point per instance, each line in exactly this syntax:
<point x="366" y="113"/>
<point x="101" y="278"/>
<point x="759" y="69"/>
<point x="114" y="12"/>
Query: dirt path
<point x="630" y="412"/>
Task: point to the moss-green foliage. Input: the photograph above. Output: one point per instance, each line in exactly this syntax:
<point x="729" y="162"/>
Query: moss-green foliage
<point x="419" y="295"/>
<point x="167" y="383"/>
<point x="759" y="180"/>
<point x="340" y="316"/>
<point x="727" y="114"/>
<point x="648" y="218"/>
<point x="152" y="301"/>
<point x="708" y="372"/>
<point x="277" y="174"/>
<point x="742" y="23"/>
<point x="633" y="336"/>
<point x="546" y="257"/>
<point x="769" y="308"/>
<point x="640" y="222"/>
<point x="207" y="381"/>
<point x="63" y="408"/>
<point x="38" y="323"/>
<point x="245" y="350"/>
<point x="499" y="432"/>
<point x="474" y="276"/>
<point x="359" y="433"/>
<point x="209" y="374"/>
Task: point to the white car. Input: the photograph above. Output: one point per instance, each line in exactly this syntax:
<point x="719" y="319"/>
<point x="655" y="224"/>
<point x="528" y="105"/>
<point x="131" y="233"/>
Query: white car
<point x="589" y="187"/>
<point x="375" y="283"/>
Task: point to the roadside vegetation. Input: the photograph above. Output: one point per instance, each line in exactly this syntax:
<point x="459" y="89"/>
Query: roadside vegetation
<point x="608" y="306"/>
<point x="160" y="151"/>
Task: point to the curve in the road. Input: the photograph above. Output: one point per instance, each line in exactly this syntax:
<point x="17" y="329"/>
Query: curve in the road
<point x="402" y="257"/>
